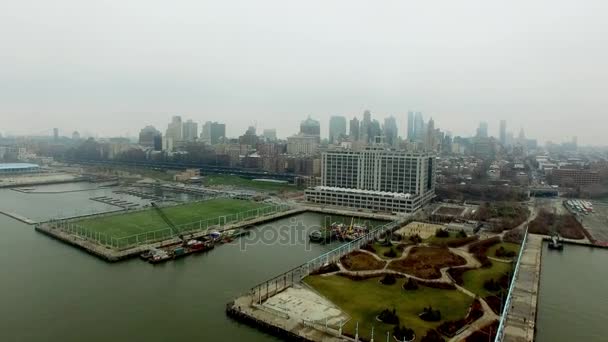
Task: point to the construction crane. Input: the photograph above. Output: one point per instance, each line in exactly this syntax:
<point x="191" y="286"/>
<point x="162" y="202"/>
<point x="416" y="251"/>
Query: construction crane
<point x="167" y="221"/>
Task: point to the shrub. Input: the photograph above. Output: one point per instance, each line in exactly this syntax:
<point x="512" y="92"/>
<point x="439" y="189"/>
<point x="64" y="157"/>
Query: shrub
<point x="501" y="252"/>
<point x="430" y="315"/>
<point x="389" y="317"/>
<point x="491" y="285"/>
<point x="410" y="285"/>
<point x="462" y="234"/>
<point x="326" y="269"/>
<point x="388" y="279"/>
<point x="402" y="333"/>
<point x="416" y="239"/>
<point x="442" y="233"/>
<point x="390" y="253"/>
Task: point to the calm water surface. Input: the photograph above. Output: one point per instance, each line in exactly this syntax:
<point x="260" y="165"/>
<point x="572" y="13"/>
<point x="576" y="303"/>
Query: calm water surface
<point x="52" y="292"/>
<point x="573" y="302"/>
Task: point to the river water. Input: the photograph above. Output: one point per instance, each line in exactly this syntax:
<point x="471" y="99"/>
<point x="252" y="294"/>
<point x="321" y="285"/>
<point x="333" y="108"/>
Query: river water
<point x="50" y="291"/>
<point x="573" y="305"/>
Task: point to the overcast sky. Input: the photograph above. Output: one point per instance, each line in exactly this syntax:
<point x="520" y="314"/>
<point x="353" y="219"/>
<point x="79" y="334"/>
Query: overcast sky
<point x="111" y="67"/>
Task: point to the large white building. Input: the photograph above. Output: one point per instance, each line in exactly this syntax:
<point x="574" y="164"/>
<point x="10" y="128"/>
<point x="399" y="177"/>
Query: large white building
<point x="375" y="178"/>
<point x="302" y="144"/>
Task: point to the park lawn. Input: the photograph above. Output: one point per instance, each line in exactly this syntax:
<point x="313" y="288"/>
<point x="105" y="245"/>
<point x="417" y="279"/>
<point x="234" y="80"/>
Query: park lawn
<point x="127" y="224"/>
<point x="508" y="246"/>
<point x="240" y="182"/>
<point x="438" y="241"/>
<point x="474" y="279"/>
<point x="363" y="300"/>
<point x="381" y="249"/>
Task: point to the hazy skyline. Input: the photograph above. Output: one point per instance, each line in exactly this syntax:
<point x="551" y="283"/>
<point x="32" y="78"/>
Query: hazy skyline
<point x="113" y="67"/>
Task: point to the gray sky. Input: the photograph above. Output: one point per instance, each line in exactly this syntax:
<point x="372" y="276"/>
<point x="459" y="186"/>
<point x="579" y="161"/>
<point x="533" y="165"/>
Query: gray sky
<point x="113" y="66"/>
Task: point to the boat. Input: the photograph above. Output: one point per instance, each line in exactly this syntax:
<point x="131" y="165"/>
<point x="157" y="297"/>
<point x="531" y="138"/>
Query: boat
<point x="556" y="243"/>
<point x="322" y="236"/>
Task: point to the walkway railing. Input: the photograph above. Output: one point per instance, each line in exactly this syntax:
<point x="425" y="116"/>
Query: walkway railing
<point x="277" y="284"/>
<point x="203" y="226"/>
<point x="507" y="305"/>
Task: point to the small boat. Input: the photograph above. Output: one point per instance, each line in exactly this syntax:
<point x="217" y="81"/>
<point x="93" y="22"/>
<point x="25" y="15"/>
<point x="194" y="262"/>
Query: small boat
<point x="322" y="236"/>
<point x="556" y="243"/>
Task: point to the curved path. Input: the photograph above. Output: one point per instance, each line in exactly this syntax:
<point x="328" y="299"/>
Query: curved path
<point x="471" y="262"/>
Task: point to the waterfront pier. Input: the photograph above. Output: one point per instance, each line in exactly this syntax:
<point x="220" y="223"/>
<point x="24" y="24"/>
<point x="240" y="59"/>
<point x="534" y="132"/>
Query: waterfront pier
<point x="520" y="320"/>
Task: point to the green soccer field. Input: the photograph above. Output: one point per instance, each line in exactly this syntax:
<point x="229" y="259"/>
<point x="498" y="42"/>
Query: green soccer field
<point x="128" y="224"/>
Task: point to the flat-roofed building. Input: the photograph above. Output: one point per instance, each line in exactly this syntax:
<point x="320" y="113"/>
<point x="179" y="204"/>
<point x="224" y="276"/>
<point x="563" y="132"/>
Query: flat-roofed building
<point x="376" y="179"/>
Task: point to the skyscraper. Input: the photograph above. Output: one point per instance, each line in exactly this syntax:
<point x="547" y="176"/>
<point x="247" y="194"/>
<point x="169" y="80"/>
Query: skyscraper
<point x="213" y="132"/>
<point x="503" y="132"/>
<point x="311" y="127"/>
<point x="365" y="126"/>
<point x="430" y="143"/>
<point x="482" y="131"/>
<point x="55" y="134"/>
<point x="270" y="134"/>
<point x="419" y="127"/>
<point x="190" y="130"/>
<point x="337" y="128"/>
<point x="147" y="136"/>
<point x="410" y="126"/>
<point x="354" y="129"/>
<point x="391" y="132"/>
<point x="175" y="129"/>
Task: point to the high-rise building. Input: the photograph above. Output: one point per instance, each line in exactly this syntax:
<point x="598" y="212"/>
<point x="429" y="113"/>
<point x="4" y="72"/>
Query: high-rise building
<point x="249" y="138"/>
<point x="482" y="130"/>
<point x="354" y="129"/>
<point x="302" y="144"/>
<point x="391" y="133"/>
<point x="148" y="137"/>
<point x="365" y="127"/>
<point x="311" y="127"/>
<point x="75" y="135"/>
<point x="430" y="143"/>
<point x="503" y="132"/>
<point x="213" y="132"/>
<point x="337" y="128"/>
<point x="419" y="127"/>
<point x="410" y="126"/>
<point x="190" y="131"/>
<point x="175" y="129"/>
<point x="55" y="134"/>
<point x="270" y="134"/>
<point x="375" y="179"/>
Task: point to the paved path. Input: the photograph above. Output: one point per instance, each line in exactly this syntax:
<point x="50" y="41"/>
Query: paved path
<point x="521" y="317"/>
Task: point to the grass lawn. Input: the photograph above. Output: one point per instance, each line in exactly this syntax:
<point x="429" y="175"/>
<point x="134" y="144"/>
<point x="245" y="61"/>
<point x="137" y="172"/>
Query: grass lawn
<point x="474" y="279"/>
<point x="240" y="182"/>
<point x="364" y="300"/>
<point x="381" y="249"/>
<point x="437" y="241"/>
<point x="148" y="220"/>
<point x="508" y="246"/>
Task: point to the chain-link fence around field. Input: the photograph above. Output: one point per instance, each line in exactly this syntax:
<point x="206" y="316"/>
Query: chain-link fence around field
<point x="204" y="226"/>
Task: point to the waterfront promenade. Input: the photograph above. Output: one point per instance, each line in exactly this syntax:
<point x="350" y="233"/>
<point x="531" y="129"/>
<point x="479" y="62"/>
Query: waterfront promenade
<point x="521" y="317"/>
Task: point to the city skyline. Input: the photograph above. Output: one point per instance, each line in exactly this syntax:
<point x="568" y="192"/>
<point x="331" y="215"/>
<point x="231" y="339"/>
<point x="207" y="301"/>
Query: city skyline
<point x="218" y="62"/>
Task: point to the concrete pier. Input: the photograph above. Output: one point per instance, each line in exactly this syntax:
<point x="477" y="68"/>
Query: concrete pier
<point x="113" y="255"/>
<point x="295" y="314"/>
<point x="521" y="317"/>
<point x="18" y="217"/>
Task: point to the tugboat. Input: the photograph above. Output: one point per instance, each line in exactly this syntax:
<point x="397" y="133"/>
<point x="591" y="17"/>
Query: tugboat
<point x="556" y="243"/>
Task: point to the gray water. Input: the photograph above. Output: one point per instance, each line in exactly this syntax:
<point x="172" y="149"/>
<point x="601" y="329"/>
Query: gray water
<point x="573" y="301"/>
<point x="50" y="291"/>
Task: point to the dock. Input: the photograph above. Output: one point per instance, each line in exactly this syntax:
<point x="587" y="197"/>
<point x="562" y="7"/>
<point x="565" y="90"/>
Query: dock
<point x="521" y="317"/>
<point x="113" y="255"/>
<point x="18" y="217"/>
